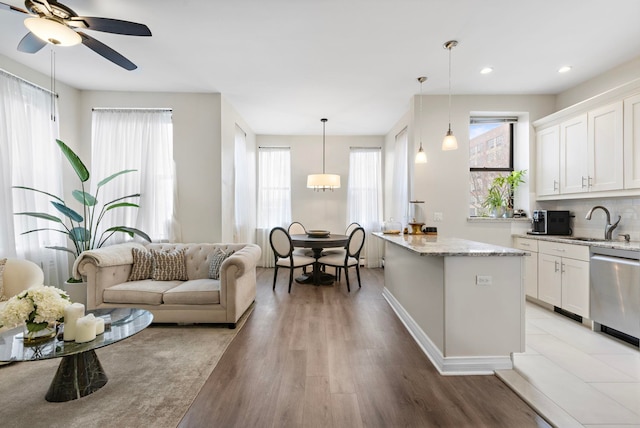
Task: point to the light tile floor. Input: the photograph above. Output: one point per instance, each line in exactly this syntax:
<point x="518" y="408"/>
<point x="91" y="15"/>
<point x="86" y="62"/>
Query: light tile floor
<point x="576" y="377"/>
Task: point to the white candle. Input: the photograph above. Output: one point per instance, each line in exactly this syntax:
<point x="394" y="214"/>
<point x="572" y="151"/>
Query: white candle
<point x="86" y="329"/>
<point x="71" y="314"/>
<point x="99" y="326"/>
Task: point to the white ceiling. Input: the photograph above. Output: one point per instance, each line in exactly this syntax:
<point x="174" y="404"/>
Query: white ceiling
<point x="284" y="64"/>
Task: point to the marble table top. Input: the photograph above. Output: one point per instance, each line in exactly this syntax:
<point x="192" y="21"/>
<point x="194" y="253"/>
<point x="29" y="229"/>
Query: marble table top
<point x="433" y="245"/>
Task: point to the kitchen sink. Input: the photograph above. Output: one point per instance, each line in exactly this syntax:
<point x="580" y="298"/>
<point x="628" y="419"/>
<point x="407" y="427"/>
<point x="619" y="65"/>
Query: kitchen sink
<point x="582" y="238"/>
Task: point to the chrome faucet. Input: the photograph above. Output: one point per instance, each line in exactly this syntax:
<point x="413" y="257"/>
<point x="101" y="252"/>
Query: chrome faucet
<point x="608" y="228"/>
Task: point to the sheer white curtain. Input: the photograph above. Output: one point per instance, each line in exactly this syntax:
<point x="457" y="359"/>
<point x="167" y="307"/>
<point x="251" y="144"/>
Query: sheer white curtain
<point x="364" y="198"/>
<point x="29" y="156"/>
<point x="241" y="215"/>
<point x="137" y="139"/>
<point x="400" y="184"/>
<point x="274" y="196"/>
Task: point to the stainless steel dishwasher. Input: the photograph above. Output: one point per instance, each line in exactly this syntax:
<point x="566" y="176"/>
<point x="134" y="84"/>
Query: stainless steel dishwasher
<point x="615" y="291"/>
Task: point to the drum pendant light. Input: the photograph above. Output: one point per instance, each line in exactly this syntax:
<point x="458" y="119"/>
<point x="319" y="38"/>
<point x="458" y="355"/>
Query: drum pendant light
<point x="450" y="142"/>
<point x="323" y="181"/>
<point x="421" y="156"/>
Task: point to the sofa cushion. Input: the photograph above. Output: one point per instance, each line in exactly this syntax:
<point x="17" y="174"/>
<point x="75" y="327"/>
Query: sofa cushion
<point x="146" y="292"/>
<point x="169" y="265"/>
<point x="142" y="265"/>
<point x="217" y="258"/>
<point x="194" y="292"/>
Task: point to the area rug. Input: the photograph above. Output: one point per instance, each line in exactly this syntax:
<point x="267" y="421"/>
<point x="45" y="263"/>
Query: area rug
<point x="154" y="377"/>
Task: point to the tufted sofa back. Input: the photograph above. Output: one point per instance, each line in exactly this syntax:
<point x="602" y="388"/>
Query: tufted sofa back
<point x="198" y="256"/>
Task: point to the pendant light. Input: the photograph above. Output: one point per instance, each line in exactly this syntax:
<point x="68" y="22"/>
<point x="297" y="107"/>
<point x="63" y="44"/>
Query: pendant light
<point x="421" y="156"/>
<point x="450" y="142"/>
<point x="323" y="181"/>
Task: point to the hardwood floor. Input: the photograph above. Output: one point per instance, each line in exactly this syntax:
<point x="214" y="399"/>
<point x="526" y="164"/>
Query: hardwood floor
<point x="322" y="357"/>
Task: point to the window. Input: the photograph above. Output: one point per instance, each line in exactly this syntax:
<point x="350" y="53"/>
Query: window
<point x="490" y="155"/>
<point x="364" y="198"/>
<point x="140" y="139"/>
<point x="400" y="185"/>
<point x="29" y="156"/>
<point x="274" y="196"/>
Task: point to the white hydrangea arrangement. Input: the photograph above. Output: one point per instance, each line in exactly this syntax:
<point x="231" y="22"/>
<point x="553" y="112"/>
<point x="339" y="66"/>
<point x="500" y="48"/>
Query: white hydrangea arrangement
<point x="36" y="307"/>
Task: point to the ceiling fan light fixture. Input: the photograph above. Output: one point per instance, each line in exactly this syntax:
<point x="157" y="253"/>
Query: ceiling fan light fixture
<point x="52" y="31"/>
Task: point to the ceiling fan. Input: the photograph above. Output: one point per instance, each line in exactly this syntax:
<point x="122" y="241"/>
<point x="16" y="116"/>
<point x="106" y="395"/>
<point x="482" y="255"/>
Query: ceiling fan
<point x="55" y="23"/>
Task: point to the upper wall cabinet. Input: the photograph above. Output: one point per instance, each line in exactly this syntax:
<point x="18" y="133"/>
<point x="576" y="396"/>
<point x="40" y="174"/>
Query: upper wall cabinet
<point x="573" y="155"/>
<point x="590" y="156"/>
<point x="605" y="148"/>
<point x="632" y="142"/>
<point x="548" y="161"/>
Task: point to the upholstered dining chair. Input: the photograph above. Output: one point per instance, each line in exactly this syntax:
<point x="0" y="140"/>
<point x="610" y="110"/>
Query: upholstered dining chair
<point x="283" y="252"/>
<point x="296" y="228"/>
<point x="341" y="251"/>
<point x="351" y="257"/>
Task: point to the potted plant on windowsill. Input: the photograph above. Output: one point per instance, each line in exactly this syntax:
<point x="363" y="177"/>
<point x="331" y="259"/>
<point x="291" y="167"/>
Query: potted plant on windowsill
<point x="500" y="196"/>
<point x="82" y="229"/>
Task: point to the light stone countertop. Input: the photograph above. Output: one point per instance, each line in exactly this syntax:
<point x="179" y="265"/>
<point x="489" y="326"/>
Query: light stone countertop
<point x="600" y="243"/>
<point x="432" y="245"/>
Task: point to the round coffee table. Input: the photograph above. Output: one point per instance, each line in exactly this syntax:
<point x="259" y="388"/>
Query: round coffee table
<point x="80" y="372"/>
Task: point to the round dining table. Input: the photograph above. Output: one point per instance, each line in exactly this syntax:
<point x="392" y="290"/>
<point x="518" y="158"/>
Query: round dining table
<point x="317" y="244"/>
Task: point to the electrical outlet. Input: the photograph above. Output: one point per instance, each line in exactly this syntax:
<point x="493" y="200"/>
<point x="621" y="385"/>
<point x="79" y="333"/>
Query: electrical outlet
<point x="437" y="216"/>
<point x="484" y="280"/>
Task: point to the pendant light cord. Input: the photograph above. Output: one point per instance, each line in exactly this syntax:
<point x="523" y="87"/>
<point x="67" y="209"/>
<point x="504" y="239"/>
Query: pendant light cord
<point x="450" y="87"/>
<point x="324" y="125"/>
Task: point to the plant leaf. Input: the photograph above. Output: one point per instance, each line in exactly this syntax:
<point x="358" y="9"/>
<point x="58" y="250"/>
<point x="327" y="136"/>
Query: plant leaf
<point x="63" y="249"/>
<point x="84" y="198"/>
<point x="44" y="216"/>
<point x="80" y="234"/>
<point x="67" y="212"/>
<point x="131" y="231"/>
<point x="111" y="177"/>
<point x="74" y="160"/>
<point x="134" y="195"/>
<point x="122" y="204"/>
<point x="39" y="191"/>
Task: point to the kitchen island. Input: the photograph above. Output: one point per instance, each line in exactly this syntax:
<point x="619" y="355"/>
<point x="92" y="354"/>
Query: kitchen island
<point x="462" y="301"/>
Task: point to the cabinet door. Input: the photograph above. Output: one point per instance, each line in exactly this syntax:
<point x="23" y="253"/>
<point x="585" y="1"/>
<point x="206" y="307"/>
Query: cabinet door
<point x="549" y="279"/>
<point x="632" y="142"/>
<point x="605" y="148"/>
<point x="548" y="161"/>
<point x="574" y="164"/>
<point x="575" y="286"/>
<point x="530" y="273"/>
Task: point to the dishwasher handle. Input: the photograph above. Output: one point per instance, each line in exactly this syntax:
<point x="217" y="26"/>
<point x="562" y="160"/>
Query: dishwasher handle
<point x="619" y="260"/>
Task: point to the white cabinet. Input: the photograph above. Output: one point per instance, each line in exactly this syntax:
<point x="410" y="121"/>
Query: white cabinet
<point x="605" y="148"/>
<point x="632" y="142"/>
<point x="548" y="161"/>
<point x="573" y="155"/>
<point x="563" y="276"/>
<point x="530" y="265"/>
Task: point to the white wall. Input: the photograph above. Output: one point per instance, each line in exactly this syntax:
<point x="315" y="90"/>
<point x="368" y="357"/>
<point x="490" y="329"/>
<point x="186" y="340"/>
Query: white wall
<point x="443" y="183"/>
<point x="319" y="210"/>
<point x="196" y="149"/>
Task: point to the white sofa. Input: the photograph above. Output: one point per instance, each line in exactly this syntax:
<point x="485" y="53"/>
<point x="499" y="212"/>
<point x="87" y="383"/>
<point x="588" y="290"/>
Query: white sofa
<point x="19" y="275"/>
<point x="196" y="300"/>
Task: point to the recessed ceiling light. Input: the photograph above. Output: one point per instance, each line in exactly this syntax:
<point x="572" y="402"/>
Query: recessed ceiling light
<point x="486" y="70"/>
<point x="564" y="69"/>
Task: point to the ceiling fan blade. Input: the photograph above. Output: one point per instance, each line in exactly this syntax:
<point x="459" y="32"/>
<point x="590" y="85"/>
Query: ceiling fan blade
<point x="109" y="25"/>
<point x="108" y="53"/>
<point x="31" y="43"/>
<point x="10" y="8"/>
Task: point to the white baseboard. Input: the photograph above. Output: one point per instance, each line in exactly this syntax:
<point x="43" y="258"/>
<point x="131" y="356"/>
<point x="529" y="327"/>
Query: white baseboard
<point x="446" y="365"/>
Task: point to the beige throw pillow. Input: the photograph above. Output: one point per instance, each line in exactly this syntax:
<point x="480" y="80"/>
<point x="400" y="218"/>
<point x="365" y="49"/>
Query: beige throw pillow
<point x="2" y="296"/>
<point x="142" y="265"/>
<point x="169" y="265"/>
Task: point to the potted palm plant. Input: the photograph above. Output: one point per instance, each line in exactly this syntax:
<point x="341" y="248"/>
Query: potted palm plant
<point x="500" y="196"/>
<point x="82" y="229"/>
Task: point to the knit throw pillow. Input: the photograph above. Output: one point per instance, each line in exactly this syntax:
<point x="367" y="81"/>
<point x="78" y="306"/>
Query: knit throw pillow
<point x="2" y="296"/>
<point x="142" y="265"/>
<point x="169" y="265"/>
<point x="216" y="261"/>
